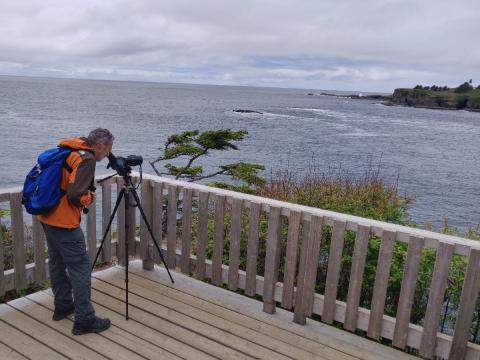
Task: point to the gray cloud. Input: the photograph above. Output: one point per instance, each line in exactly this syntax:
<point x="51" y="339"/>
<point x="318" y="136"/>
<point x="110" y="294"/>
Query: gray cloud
<point x="369" y="45"/>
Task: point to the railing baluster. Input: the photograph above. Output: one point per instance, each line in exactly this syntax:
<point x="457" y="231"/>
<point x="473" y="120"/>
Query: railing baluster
<point x="468" y="301"/>
<point x="92" y="230"/>
<point x="145" y="238"/>
<point x="271" y="260"/>
<point x="407" y="291"/>
<point x="218" y="240"/>
<point x="38" y="238"/>
<point x="252" y="248"/>
<point x="106" y="213"/>
<point x="308" y="270"/>
<point x="120" y="253"/>
<point x="132" y="223"/>
<point x="333" y="272"/>
<point x="172" y="226"/>
<point x="435" y="299"/>
<point x="202" y="234"/>
<point x="380" y="285"/>
<point x="291" y="258"/>
<point x="234" y="251"/>
<point x="356" y="277"/>
<point x="316" y="233"/>
<point x="157" y="213"/>
<point x="18" y="240"/>
<point x="186" y="231"/>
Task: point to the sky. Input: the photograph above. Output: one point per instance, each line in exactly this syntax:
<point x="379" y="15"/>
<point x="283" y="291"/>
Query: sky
<point x="369" y="45"/>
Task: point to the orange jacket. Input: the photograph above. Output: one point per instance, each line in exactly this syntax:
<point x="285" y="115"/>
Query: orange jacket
<point x="75" y="184"/>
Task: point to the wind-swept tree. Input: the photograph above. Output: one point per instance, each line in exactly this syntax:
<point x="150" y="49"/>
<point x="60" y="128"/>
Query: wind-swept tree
<point x="192" y="144"/>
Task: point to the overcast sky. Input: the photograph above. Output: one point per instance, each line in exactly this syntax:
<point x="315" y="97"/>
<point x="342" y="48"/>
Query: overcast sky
<point x="369" y="45"/>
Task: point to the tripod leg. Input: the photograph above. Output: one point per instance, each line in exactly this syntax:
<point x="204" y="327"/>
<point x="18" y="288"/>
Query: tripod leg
<point x="137" y="200"/>
<point x="119" y="199"/>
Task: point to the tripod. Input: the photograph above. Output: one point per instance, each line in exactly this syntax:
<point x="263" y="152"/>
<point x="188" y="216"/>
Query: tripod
<point x="127" y="190"/>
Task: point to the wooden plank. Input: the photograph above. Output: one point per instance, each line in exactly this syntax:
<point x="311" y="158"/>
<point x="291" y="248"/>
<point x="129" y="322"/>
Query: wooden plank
<point x="2" y="261"/>
<point x="120" y="334"/>
<point x="92" y="230"/>
<point x="356" y="277"/>
<point x="407" y="291"/>
<point x="156" y="294"/>
<point x="172" y="226"/>
<point x="333" y="272"/>
<point x="24" y="344"/>
<point x="291" y="259"/>
<point x="271" y="260"/>
<point x="252" y="248"/>
<point x="121" y="225"/>
<point x="111" y="344"/>
<point x="299" y="312"/>
<point x="149" y="328"/>
<point x="202" y="235"/>
<point x="215" y="342"/>
<point x="218" y="238"/>
<point x="106" y="214"/>
<point x="206" y="325"/>
<point x="145" y="238"/>
<point x="157" y="212"/>
<point x="10" y="354"/>
<point x="380" y="285"/>
<point x="38" y="237"/>
<point x="468" y="301"/>
<point x="293" y="341"/>
<point x="312" y="264"/>
<point x="186" y="231"/>
<point x="42" y="332"/>
<point x="18" y="240"/>
<point x="435" y="299"/>
<point x="234" y="251"/>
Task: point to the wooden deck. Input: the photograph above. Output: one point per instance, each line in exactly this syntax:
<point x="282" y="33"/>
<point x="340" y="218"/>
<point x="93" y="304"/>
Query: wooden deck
<point x="187" y="320"/>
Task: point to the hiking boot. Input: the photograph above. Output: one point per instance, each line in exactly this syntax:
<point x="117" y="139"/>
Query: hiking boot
<point x="62" y="314"/>
<point x="95" y="326"/>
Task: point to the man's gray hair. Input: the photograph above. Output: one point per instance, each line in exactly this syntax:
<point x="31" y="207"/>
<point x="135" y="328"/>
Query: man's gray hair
<point x="100" y="135"/>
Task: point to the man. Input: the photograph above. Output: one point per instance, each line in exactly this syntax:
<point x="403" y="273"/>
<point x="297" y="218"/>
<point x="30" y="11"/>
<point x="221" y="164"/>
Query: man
<point x="69" y="263"/>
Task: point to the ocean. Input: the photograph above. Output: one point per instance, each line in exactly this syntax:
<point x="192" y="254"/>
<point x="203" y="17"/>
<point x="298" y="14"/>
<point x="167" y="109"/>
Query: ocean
<point x="434" y="154"/>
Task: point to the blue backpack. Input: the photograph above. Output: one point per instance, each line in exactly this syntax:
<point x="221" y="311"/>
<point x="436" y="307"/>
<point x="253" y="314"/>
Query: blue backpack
<point x="41" y="190"/>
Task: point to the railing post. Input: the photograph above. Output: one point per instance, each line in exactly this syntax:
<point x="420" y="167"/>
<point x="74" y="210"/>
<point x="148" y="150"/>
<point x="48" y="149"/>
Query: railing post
<point x="157" y="214"/>
<point x="291" y="258"/>
<point x="235" y="238"/>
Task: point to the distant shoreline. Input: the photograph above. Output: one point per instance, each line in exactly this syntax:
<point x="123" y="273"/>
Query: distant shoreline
<point x="419" y="98"/>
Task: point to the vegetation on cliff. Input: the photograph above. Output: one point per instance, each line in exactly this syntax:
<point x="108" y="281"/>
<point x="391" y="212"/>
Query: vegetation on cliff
<point x="463" y="97"/>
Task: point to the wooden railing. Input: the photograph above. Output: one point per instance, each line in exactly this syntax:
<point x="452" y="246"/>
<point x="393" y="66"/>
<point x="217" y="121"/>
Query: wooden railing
<point x="205" y="205"/>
